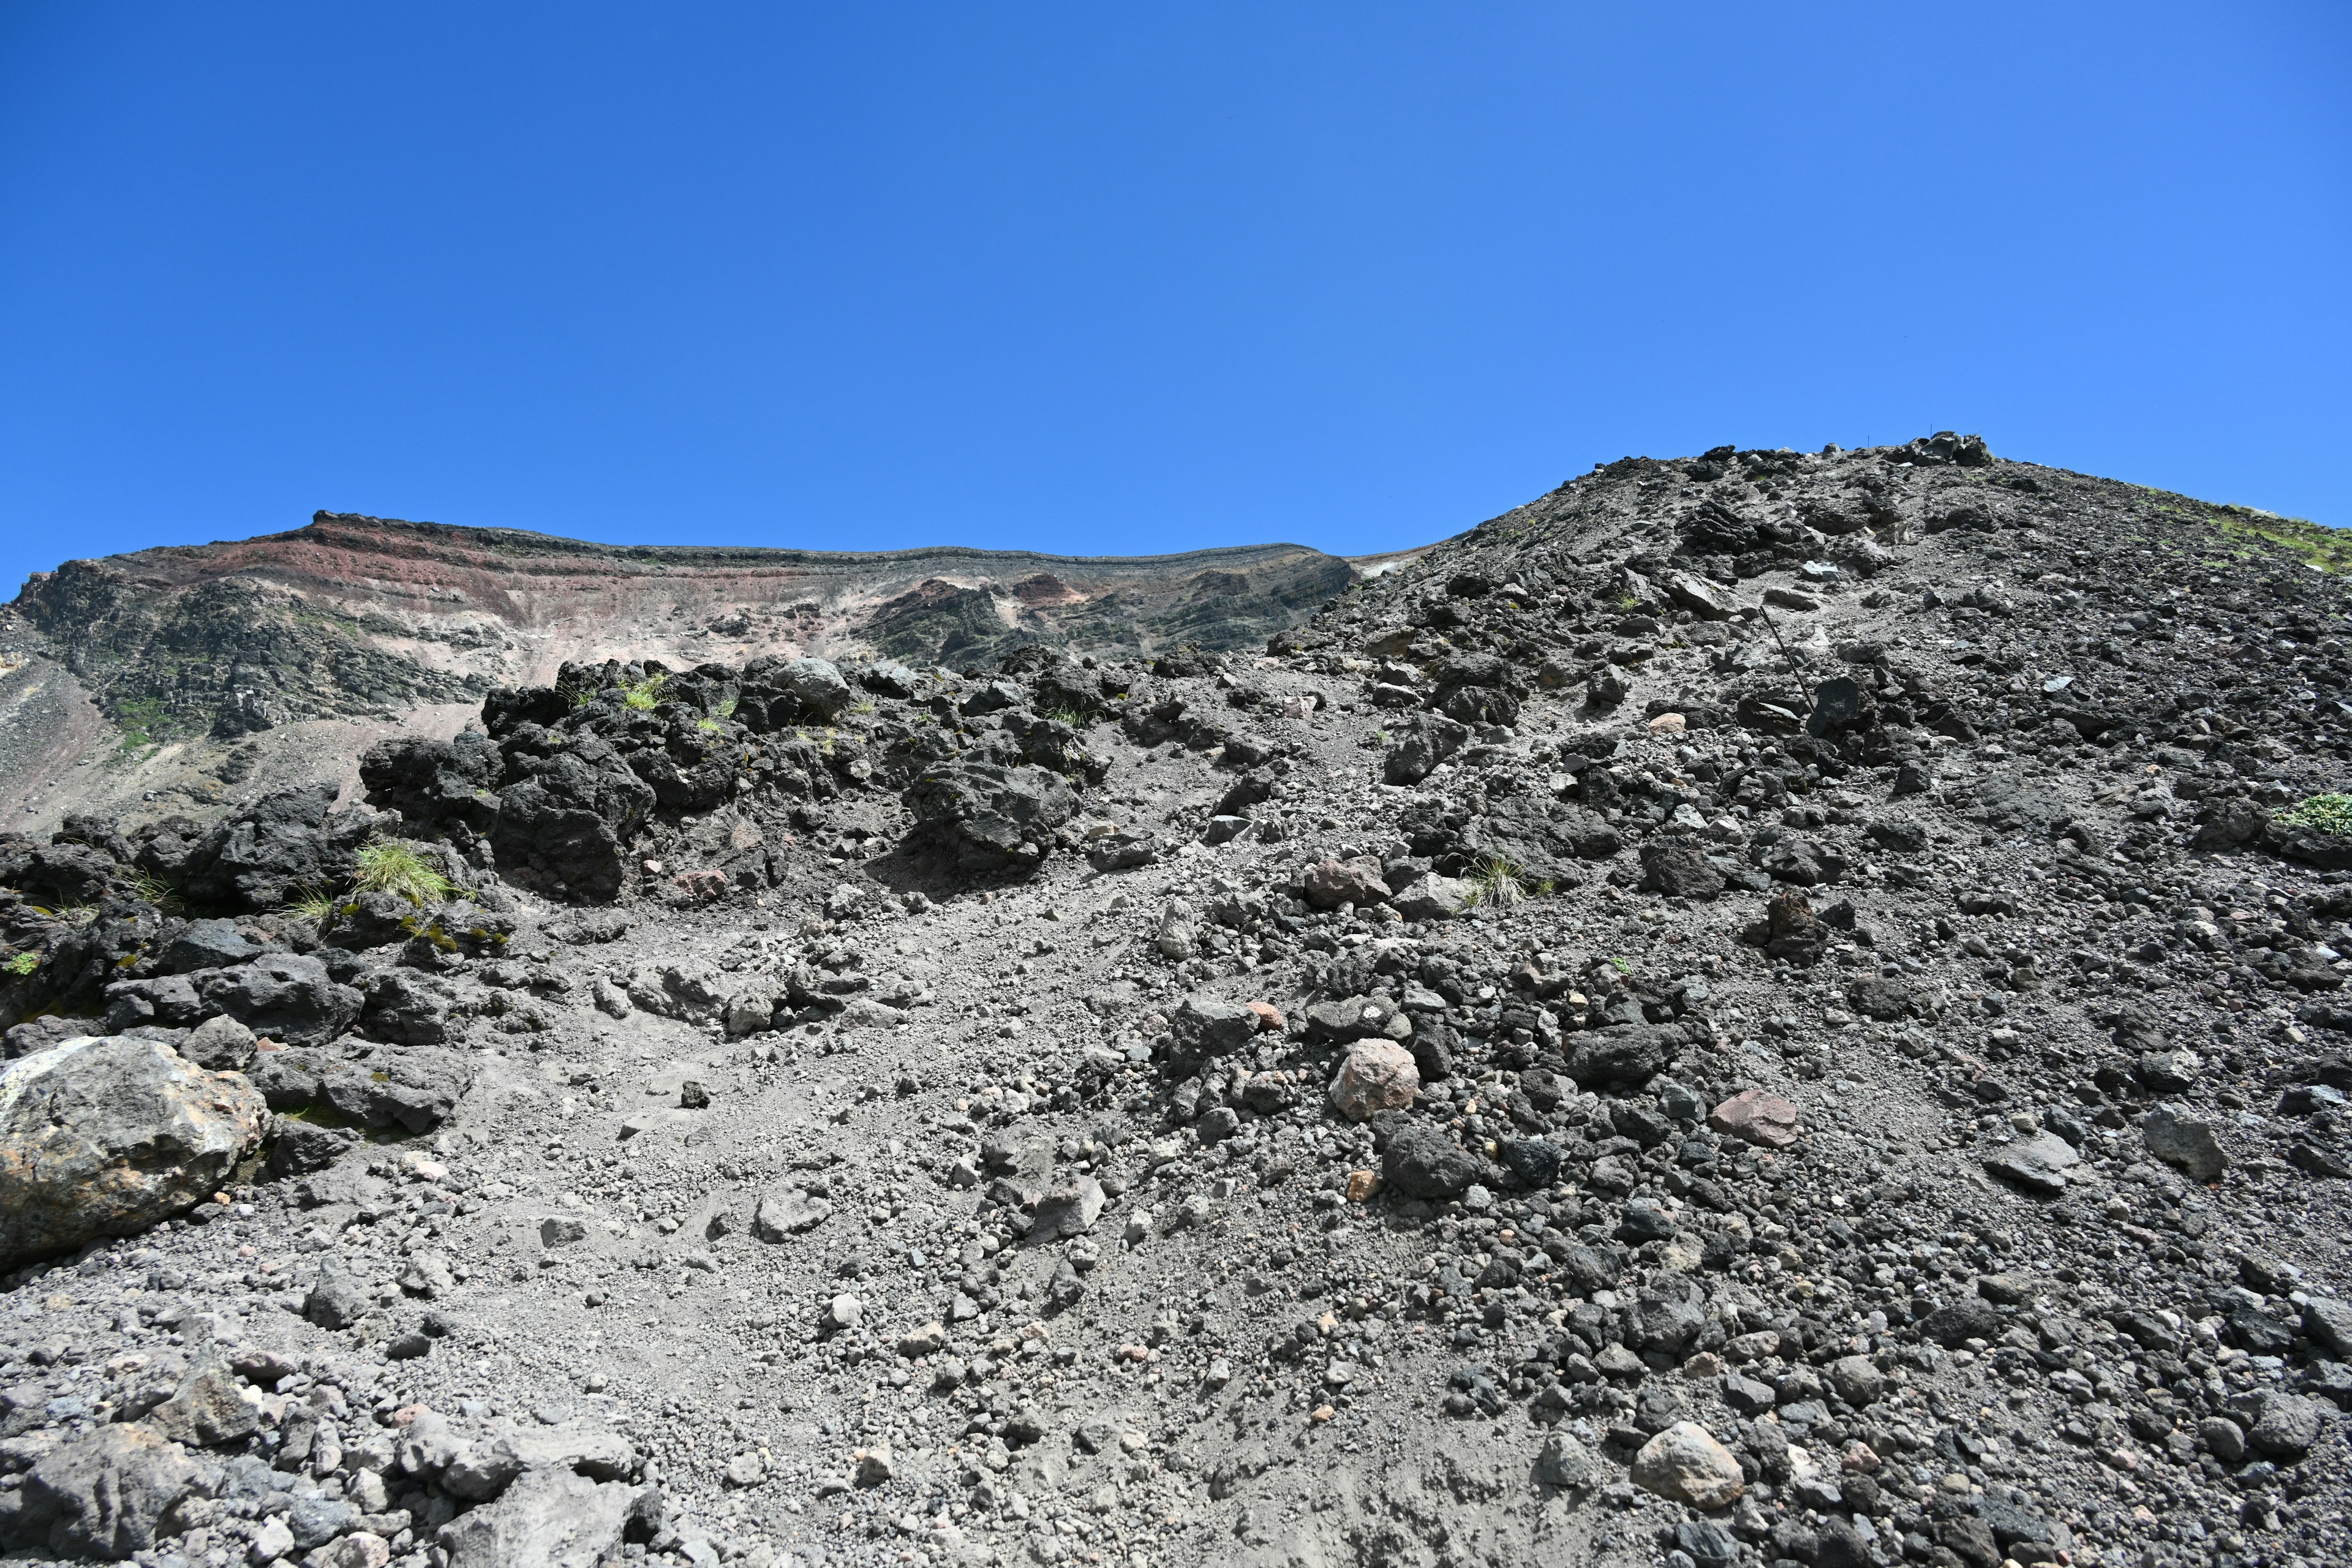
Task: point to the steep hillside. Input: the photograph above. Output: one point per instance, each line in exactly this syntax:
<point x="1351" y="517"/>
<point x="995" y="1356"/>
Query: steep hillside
<point x="1766" y="1008"/>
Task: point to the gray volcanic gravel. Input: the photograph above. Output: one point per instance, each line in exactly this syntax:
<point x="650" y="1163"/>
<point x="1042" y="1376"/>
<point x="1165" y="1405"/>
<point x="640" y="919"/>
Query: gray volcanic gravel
<point x="1764" y="1008"/>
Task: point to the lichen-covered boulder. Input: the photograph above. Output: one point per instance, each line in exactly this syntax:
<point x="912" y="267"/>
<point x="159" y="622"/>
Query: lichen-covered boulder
<point x="105" y="1137"/>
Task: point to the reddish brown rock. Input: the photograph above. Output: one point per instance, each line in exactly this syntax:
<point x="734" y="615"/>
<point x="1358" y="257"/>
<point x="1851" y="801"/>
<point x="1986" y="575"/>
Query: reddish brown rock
<point x="1760" y="1118"/>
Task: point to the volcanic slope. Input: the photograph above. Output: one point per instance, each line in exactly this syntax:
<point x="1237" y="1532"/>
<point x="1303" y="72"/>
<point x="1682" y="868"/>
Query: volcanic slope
<point x="277" y="660"/>
<point x="1769" y="1007"/>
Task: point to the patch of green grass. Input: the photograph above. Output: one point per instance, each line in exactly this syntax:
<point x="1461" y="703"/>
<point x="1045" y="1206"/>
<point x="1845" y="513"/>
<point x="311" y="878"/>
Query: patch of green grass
<point x="2316" y="544"/>
<point x="1497" y="882"/>
<point x="22" y="963"/>
<point x="141" y="719"/>
<point x="2330" y="813"/>
<point x="388" y="865"/>
<point x="727" y="707"/>
<point x="1624" y="966"/>
<point x="1070" y="716"/>
<point x="711" y="725"/>
<point x="643" y="695"/>
<point x="863" y="707"/>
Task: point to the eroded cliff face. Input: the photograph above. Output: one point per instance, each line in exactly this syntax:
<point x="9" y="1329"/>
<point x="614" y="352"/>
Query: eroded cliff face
<point x="362" y="618"/>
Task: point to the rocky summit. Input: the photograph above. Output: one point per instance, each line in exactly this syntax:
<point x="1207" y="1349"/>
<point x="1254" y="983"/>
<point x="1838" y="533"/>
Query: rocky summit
<point x="1763" y="1009"/>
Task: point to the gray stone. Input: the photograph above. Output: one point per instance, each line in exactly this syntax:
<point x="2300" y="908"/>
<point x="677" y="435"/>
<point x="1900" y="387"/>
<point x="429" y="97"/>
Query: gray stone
<point x="1564" y="1464"/>
<point x="205" y="1411"/>
<point x="1684" y="1462"/>
<point x="1857" y="1380"/>
<point x="1423" y="1163"/>
<point x="988" y="819"/>
<point x="2327" y="1321"/>
<point x="788" y="1211"/>
<point x="221" y="1045"/>
<point x="1068" y="1209"/>
<point x="2287" y="1427"/>
<point x="551" y="1518"/>
<point x="2222" y="1438"/>
<point x="1964" y="1318"/>
<point x="1432" y="898"/>
<point x="336" y="1302"/>
<point x="484" y="1469"/>
<point x="2038" y="1163"/>
<point x="2186" y="1141"/>
<point x="108" y="1494"/>
<point x="105" y="1137"/>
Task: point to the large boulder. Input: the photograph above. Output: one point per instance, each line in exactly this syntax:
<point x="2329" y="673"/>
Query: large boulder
<point x="1424" y="741"/>
<point x="1421" y="1161"/>
<point x="779" y="692"/>
<point x="107" y="1494"/>
<point x="1622" y="1057"/>
<point x="1543" y="841"/>
<point x="57" y="874"/>
<point x="553" y="1517"/>
<point x="990" y="820"/>
<point x="567" y="826"/>
<point x="429" y="781"/>
<point x="288" y="996"/>
<point x="284" y="845"/>
<point x="105" y="1137"/>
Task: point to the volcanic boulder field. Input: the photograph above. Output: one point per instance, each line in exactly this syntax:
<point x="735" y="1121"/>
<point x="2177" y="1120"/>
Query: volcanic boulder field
<point x="1769" y="1008"/>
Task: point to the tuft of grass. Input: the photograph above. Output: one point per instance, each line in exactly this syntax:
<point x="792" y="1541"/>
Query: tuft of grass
<point x="863" y="707"/>
<point x="22" y="963"/>
<point x="1497" y="882"/>
<point x="1070" y="716"/>
<point x="2330" y="813"/>
<point x="154" y="891"/>
<point x="711" y="725"/>
<point x="643" y="695"/>
<point x="315" y="904"/>
<point x="727" y="707"/>
<point x="388" y="865"/>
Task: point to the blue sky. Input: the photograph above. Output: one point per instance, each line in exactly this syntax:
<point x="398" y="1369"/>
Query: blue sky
<point x="1125" y="278"/>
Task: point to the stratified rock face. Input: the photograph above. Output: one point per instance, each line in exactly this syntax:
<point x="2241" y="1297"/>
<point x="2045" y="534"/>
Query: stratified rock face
<point x="361" y="616"/>
<point x="104" y="1137"/>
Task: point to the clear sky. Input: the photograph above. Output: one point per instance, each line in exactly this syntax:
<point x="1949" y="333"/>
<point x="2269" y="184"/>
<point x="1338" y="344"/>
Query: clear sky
<point x="1123" y="278"/>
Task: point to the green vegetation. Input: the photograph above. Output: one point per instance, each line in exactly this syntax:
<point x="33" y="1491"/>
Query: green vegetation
<point x="1070" y="716"/>
<point x="710" y="724"/>
<point x="22" y="963"/>
<point x="141" y="719"/>
<point x="154" y="889"/>
<point x="388" y="865"/>
<point x="643" y="695"/>
<point x="2248" y="530"/>
<point x="315" y="904"/>
<point x="727" y="708"/>
<point x="2330" y="813"/>
<point x="1497" y="882"/>
<point x="863" y="706"/>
